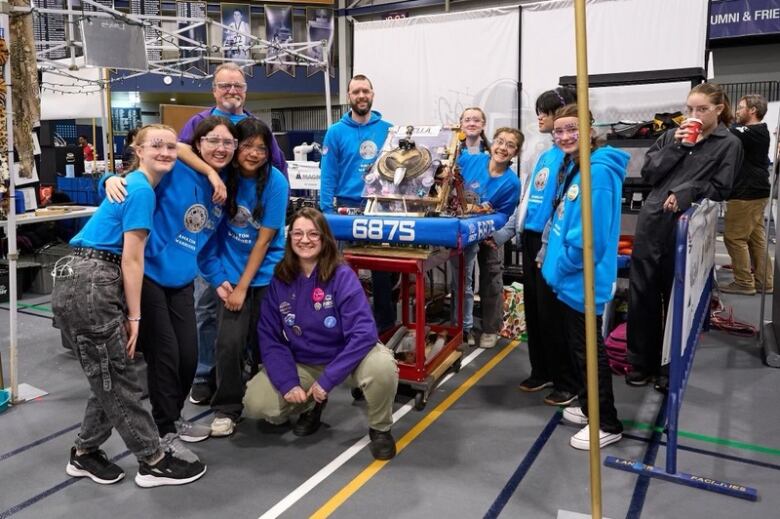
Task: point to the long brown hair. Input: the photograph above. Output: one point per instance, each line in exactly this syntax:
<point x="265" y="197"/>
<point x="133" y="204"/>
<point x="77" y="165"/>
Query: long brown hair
<point x="570" y="110"/>
<point x="517" y="134"/>
<point x="717" y="97"/>
<point x="140" y="138"/>
<point x="290" y="267"/>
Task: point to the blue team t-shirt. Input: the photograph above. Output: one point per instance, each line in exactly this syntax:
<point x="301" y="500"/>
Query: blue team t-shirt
<point x="225" y="257"/>
<point x="105" y="229"/>
<point x="233" y="118"/>
<point x="502" y="192"/>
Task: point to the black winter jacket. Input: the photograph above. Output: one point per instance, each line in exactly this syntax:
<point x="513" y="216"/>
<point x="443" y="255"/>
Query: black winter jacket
<point x="752" y="181"/>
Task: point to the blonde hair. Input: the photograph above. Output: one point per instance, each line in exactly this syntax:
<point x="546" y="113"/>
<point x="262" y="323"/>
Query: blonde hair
<point x="140" y="138"/>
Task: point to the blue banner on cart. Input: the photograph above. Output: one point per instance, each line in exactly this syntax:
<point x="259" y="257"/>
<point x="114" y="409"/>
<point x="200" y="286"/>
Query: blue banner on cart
<point x="443" y="231"/>
<point x="735" y="18"/>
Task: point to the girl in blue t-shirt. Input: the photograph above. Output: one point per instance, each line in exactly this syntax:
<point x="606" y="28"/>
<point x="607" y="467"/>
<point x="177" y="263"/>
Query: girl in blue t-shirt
<point x="97" y="304"/>
<point x="495" y="186"/>
<point x="240" y="263"/>
<point x="184" y="221"/>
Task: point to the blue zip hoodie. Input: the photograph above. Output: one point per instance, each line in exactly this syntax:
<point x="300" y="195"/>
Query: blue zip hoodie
<point x="562" y="268"/>
<point x="542" y="187"/>
<point x="348" y="152"/>
<point x="185" y="219"/>
<point x="224" y="257"/>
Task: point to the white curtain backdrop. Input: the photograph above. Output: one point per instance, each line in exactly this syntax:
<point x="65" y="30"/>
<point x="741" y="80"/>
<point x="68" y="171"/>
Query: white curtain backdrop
<point x="427" y="69"/>
<point x="623" y="36"/>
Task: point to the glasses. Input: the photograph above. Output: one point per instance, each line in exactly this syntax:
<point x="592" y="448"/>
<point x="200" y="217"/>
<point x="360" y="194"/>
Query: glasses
<point x="227" y="87"/>
<point x="699" y="110"/>
<point x="246" y="148"/>
<point x="560" y="133"/>
<point x="159" y="146"/>
<point x="215" y="142"/>
<point x="511" y="146"/>
<point x="298" y="235"/>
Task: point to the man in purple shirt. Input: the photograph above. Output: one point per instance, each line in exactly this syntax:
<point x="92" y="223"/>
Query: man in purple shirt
<point x="230" y="96"/>
<point x="315" y="332"/>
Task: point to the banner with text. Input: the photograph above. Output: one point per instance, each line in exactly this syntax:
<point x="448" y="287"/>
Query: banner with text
<point x="735" y="18"/>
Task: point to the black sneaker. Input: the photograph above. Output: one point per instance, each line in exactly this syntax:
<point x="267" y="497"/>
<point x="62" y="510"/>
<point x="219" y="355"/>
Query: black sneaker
<point x="532" y="385"/>
<point x="638" y="378"/>
<point x="94" y="465"/>
<point x="309" y="422"/>
<point x="558" y="397"/>
<point x="170" y="470"/>
<point x="662" y="384"/>
<point x="201" y="393"/>
<point x="382" y="444"/>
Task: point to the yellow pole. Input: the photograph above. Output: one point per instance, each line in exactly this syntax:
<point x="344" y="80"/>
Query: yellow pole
<point x="591" y="355"/>
<point x="109" y="123"/>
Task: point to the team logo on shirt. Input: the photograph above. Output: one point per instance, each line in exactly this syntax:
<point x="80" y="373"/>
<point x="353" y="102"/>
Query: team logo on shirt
<point x="573" y="192"/>
<point x="195" y="218"/>
<point x="541" y="179"/>
<point x="243" y="215"/>
<point x="368" y="150"/>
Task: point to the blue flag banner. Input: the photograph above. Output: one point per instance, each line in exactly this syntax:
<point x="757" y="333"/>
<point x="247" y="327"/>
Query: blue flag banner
<point x="444" y="231"/>
<point x="735" y="18"/>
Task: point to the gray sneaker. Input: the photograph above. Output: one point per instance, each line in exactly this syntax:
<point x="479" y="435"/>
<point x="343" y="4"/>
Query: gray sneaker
<point x="171" y="443"/>
<point x="192" y="432"/>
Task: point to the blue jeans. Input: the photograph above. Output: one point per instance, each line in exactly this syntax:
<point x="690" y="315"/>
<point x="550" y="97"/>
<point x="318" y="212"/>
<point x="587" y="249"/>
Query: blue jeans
<point x="89" y="305"/>
<point x="469" y="260"/>
<point x="206" y="320"/>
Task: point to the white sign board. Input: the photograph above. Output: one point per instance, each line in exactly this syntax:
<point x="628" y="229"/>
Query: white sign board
<point x="303" y="174"/>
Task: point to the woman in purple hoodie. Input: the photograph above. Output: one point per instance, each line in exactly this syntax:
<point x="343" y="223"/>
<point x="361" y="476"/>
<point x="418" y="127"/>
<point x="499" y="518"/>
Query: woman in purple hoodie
<point x="316" y="331"/>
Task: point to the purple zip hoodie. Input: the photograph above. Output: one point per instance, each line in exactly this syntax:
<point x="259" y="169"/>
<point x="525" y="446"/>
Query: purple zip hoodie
<point x="291" y="330"/>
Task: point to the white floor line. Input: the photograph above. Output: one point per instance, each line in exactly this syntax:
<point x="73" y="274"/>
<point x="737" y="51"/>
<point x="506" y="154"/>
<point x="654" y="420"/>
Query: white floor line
<point x="308" y="485"/>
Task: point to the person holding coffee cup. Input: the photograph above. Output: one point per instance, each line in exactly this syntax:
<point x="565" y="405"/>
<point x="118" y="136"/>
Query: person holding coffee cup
<point x="698" y="160"/>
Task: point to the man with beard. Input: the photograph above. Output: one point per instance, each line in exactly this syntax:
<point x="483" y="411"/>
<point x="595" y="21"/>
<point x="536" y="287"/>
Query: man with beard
<point x="744" y="234"/>
<point x="351" y="146"/>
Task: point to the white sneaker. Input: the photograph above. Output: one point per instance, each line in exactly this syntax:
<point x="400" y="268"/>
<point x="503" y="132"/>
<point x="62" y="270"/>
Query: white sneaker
<point x="470" y="340"/>
<point x="581" y="440"/>
<point x="575" y="415"/>
<point x="488" y="340"/>
<point x="223" y="426"/>
<point x="192" y="432"/>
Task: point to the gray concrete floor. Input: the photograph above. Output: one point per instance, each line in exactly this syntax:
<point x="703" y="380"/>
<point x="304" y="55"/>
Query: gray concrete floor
<point x="455" y="467"/>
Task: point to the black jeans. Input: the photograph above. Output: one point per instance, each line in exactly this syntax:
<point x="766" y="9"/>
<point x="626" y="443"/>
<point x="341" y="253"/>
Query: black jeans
<point x="574" y="329"/>
<point x="89" y="306"/>
<point x="548" y="351"/>
<point x="236" y="334"/>
<point x="169" y="339"/>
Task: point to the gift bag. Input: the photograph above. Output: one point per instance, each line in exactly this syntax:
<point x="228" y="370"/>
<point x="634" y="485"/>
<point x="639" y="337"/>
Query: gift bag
<point x="514" y="312"/>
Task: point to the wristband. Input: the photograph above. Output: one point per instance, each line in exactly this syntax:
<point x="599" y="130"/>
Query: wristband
<point x="133" y="319"/>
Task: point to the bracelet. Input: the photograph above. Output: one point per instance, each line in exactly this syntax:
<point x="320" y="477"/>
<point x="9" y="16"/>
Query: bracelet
<point x="133" y="319"/>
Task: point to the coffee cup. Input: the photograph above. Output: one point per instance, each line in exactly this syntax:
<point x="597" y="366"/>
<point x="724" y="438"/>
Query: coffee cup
<point x="693" y="126"/>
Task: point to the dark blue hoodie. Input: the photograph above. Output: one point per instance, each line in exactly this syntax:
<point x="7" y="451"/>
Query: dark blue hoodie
<point x="563" y="268"/>
<point x="348" y="152"/>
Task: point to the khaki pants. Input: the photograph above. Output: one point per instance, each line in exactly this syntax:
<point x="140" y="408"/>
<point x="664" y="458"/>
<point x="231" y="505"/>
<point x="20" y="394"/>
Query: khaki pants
<point x="745" y="239"/>
<point x="376" y="376"/>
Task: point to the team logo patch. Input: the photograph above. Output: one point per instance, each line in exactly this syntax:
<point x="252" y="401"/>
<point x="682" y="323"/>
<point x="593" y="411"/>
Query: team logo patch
<point x="329" y="322"/>
<point x="242" y="217"/>
<point x="573" y="192"/>
<point x="328" y="302"/>
<point x="368" y="150"/>
<point x="285" y="307"/>
<point x="195" y="218"/>
<point x="541" y="179"/>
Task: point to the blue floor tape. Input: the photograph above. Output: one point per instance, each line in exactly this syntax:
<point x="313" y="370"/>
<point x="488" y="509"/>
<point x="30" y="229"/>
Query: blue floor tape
<point x="511" y="485"/>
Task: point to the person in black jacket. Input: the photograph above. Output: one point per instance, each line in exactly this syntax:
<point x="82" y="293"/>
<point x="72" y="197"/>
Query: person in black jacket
<point x="744" y="235"/>
<point x="679" y="175"/>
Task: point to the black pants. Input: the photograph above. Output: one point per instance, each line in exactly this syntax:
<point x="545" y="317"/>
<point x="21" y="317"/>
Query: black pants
<point x="236" y="335"/>
<point x="385" y="313"/>
<point x="650" y="288"/>
<point x="549" y="353"/>
<point x="574" y="329"/>
<point x="169" y="339"/>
